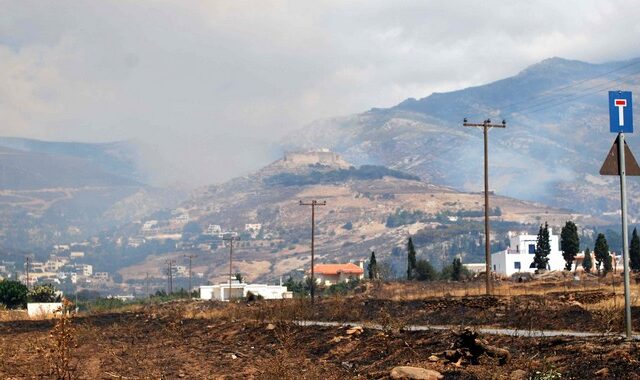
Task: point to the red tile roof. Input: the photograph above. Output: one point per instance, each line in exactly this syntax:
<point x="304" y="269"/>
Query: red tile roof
<point x="349" y="268"/>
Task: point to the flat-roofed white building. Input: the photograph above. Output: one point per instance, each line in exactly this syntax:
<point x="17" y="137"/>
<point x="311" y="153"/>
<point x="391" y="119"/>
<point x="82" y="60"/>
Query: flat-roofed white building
<point x="519" y="256"/>
<point x="238" y="289"/>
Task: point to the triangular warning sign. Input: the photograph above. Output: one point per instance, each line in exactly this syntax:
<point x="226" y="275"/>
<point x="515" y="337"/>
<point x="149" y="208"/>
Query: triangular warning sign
<point x="611" y="166"/>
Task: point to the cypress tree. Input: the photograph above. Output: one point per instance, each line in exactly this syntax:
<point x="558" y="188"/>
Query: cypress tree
<point x="543" y="248"/>
<point x="601" y="252"/>
<point x="373" y="267"/>
<point x="456" y="273"/>
<point x="634" y="251"/>
<point x="411" y="259"/>
<point x="587" y="264"/>
<point x="569" y="243"/>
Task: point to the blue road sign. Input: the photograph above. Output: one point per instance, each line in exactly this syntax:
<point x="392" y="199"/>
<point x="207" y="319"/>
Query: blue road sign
<point x="620" y="112"/>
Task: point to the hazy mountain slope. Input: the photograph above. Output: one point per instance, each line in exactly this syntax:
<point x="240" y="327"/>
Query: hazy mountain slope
<point x="117" y="158"/>
<point x="556" y="136"/>
<point x="59" y="192"/>
<point x="370" y="208"/>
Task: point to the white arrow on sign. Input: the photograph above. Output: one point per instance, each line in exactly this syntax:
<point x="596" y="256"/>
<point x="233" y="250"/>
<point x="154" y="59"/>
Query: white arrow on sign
<point x="620" y="103"/>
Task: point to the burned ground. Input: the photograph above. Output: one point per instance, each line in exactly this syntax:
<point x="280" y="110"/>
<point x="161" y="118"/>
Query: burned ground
<point x="260" y="340"/>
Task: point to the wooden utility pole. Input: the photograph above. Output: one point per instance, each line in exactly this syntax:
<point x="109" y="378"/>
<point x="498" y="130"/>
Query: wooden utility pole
<point x="28" y="264"/>
<point x="313" y="205"/>
<point x="170" y="275"/>
<point x="190" y="286"/>
<point x="485" y="125"/>
<point x="230" y="239"/>
<point x="146" y="282"/>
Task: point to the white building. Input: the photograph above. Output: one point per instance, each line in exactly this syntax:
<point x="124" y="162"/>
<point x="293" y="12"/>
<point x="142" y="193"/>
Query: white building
<point x="85" y="270"/>
<point x="519" y="256"/>
<point x="253" y="229"/>
<point x="239" y="289"/>
<point x="214" y="230"/>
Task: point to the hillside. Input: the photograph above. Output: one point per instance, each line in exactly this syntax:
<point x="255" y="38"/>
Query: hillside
<point x="55" y="192"/>
<point x="556" y="137"/>
<point x="368" y="208"/>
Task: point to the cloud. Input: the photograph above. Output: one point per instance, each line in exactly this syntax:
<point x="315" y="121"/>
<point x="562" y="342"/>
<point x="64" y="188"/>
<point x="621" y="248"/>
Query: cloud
<point x="209" y="86"/>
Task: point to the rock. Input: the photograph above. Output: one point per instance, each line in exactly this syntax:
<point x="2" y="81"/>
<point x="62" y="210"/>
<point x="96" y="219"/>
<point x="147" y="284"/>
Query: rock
<point x="355" y="330"/>
<point x="233" y="356"/>
<point x="406" y="372"/>
<point x="576" y="303"/>
<point x="433" y="358"/>
<point x="518" y="374"/>
<point x="336" y="339"/>
<point x="603" y="372"/>
<point x="270" y="326"/>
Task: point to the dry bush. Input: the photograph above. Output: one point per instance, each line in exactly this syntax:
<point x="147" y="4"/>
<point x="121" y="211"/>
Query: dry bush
<point x="62" y="340"/>
<point x="608" y="316"/>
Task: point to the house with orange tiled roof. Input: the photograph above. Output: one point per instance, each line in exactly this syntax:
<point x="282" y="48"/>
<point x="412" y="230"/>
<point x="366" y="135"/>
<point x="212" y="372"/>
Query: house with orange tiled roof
<point x="330" y="274"/>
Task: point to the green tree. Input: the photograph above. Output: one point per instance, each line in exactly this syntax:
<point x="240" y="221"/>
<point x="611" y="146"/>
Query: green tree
<point x="411" y="259"/>
<point x="43" y="293"/>
<point x="13" y="294"/>
<point x="543" y="248"/>
<point x="424" y="271"/>
<point x="239" y="277"/>
<point x="587" y="264"/>
<point x="456" y="272"/>
<point x="634" y="251"/>
<point x="373" y="267"/>
<point x="569" y="243"/>
<point x="601" y="252"/>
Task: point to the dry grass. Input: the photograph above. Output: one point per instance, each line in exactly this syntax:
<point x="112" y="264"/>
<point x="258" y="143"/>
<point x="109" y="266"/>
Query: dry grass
<point x="13" y="315"/>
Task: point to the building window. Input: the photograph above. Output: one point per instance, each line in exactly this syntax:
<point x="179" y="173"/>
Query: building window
<point x="516" y="265"/>
<point x="494" y="268"/>
<point x="532" y="249"/>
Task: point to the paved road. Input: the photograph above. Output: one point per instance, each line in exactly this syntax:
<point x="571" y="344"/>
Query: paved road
<point x="483" y="330"/>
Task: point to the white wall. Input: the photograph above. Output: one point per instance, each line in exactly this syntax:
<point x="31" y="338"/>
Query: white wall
<point x="43" y="309"/>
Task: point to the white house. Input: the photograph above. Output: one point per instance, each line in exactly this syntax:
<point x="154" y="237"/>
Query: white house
<point x="519" y="256"/>
<point x="238" y="289"/>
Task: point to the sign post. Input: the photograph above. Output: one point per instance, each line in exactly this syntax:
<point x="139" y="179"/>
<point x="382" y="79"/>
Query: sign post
<point x="621" y="121"/>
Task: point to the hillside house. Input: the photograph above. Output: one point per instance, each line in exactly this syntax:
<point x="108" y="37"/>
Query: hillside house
<point x="238" y="289"/>
<point x="519" y="256"/>
<point x="331" y="274"/>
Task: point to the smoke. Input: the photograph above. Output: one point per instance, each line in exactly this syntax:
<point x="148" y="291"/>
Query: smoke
<point x="208" y="87"/>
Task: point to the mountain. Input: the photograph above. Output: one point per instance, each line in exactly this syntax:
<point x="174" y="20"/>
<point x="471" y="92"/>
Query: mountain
<point x="115" y="158"/>
<point x="556" y="137"/>
<point x="59" y="192"/>
<point x="368" y="208"/>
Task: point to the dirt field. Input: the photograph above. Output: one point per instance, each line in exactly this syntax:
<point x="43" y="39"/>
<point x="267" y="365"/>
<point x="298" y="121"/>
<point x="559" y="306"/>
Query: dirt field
<point x="209" y="340"/>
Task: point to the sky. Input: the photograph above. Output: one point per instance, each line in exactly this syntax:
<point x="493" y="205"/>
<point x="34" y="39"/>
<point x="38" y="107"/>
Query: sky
<point x="208" y="88"/>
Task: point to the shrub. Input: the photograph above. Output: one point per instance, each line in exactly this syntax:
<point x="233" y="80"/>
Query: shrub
<point x="13" y="294"/>
<point x="43" y="293"/>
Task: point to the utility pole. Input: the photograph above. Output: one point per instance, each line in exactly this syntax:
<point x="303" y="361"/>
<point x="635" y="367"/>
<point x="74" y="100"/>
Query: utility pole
<point x="190" y="286"/>
<point x="230" y="239"/>
<point x="28" y="263"/>
<point x="485" y="125"/>
<point x="170" y="275"/>
<point x="146" y="281"/>
<point x="314" y="203"/>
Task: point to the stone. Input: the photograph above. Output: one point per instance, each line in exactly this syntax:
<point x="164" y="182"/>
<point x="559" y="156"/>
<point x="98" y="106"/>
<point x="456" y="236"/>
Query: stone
<point x="603" y="372"/>
<point x="518" y="374"/>
<point x="355" y="330"/>
<point x="406" y="372"/>
<point x="433" y="358"/>
<point x="270" y="326"/>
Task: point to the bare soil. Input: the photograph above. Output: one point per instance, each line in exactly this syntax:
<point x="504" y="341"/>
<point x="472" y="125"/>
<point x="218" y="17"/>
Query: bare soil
<point x="209" y="340"/>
